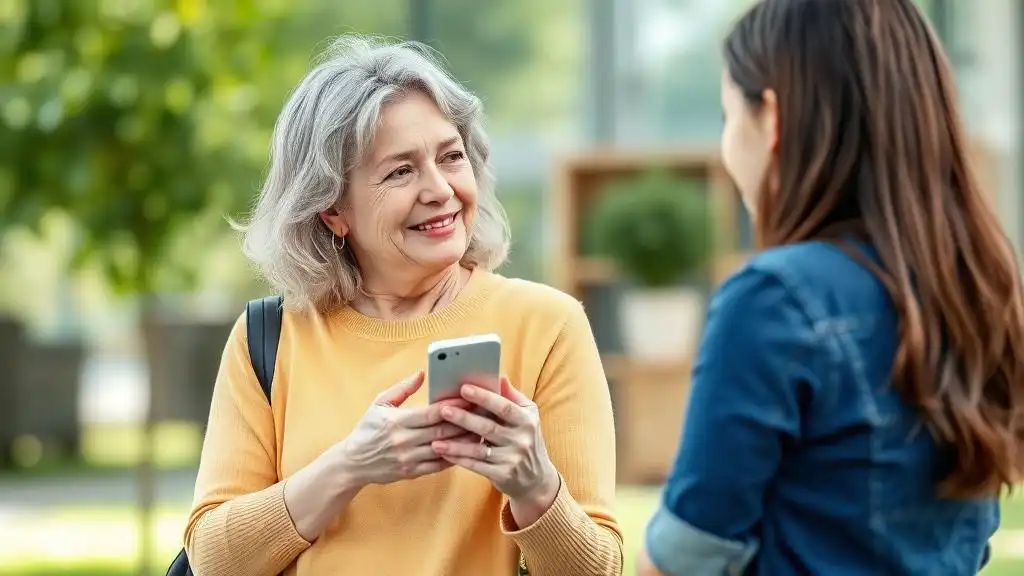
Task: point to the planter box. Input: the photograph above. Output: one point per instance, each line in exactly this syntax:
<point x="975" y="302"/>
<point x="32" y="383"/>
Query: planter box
<point x="650" y="401"/>
<point x="661" y="325"/>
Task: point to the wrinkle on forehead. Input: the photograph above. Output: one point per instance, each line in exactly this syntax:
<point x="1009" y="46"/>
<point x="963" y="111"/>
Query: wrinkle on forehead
<point x="412" y="123"/>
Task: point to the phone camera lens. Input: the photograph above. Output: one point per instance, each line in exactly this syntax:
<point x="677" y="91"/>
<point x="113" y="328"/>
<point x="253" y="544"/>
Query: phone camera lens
<point x="442" y="356"/>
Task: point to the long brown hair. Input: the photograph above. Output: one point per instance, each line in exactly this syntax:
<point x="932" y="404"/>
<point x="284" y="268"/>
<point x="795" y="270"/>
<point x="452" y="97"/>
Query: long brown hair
<point x="870" y="133"/>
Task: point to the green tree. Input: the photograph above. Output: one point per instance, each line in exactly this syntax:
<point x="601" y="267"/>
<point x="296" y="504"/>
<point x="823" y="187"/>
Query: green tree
<point x="140" y="118"/>
<point x="137" y="118"/>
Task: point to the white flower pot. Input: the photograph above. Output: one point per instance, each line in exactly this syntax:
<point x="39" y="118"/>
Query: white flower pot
<point x="661" y="324"/>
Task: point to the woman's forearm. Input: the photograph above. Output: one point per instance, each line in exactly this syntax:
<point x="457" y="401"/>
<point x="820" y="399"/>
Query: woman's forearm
<point x="318" y="493"/>
<point x="260" y="534"/>
<point x="249" y="535"/>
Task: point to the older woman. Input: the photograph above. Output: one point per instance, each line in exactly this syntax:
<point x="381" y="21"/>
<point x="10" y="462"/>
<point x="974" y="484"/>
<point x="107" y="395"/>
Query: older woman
<point x="379" y="224"/>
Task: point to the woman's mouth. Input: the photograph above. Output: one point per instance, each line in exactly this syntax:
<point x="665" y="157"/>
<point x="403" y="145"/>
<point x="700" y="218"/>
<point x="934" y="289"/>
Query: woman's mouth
<point x="438" y="226"/>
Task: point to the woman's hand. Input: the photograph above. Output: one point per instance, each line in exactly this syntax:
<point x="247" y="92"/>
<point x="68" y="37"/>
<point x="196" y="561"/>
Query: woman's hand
<point x="510" y="452"/>
<point x="389" y="444"/>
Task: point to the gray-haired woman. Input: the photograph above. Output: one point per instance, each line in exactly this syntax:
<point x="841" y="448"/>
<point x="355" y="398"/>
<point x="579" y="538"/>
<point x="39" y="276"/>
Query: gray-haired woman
<point x="379" y="225"/>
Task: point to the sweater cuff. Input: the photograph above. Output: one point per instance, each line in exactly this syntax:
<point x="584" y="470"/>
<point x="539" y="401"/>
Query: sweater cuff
<point x="250" y="530"/>
<point x="262" y="522"/>
<point x="277" y="520"/>
<point x="547" y="539"/>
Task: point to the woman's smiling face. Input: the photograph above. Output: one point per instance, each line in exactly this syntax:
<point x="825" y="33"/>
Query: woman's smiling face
<point x="412" y="199"/>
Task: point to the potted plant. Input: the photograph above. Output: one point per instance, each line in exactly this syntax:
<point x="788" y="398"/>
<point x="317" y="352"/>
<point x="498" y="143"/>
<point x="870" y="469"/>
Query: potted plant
<point x="655" y="227"/>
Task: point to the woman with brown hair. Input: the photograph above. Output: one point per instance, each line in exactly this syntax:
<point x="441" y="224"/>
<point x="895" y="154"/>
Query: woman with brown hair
<point x="858" y="399"/>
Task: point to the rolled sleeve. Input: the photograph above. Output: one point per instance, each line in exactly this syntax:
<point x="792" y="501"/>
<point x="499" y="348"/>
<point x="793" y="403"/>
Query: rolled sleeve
<point x="677" y="548"/>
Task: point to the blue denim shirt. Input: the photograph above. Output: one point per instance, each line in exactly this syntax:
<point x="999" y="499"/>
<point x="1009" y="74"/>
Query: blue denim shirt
<point x="798" y="456"/>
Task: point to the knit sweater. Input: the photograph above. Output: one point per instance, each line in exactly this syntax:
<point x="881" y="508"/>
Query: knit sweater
<point x="329" y="370"/>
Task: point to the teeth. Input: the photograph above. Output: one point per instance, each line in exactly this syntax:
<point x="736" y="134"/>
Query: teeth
<point x="440" y="224"/>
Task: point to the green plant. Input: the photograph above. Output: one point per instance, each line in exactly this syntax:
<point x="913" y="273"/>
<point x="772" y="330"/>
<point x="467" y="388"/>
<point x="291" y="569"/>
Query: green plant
<point x="655" y="226"/>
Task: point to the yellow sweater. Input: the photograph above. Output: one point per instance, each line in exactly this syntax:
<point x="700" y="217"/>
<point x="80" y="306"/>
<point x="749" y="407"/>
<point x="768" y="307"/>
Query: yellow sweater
<point x="453" y="523"/>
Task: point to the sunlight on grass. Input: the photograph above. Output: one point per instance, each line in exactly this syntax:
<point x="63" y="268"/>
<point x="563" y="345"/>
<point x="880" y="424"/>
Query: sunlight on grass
<point x="175" y="444"/>
<point x="74" y="539"/>
<point x="102" y="541"/>
<point x="635" y="506"/>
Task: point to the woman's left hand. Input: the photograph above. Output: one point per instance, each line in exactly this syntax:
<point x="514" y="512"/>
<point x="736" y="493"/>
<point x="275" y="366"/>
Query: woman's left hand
<point x="511" y="451"/>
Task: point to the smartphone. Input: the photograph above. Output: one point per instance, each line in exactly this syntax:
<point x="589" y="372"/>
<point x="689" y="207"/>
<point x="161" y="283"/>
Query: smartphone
<point x="449" y="362"/>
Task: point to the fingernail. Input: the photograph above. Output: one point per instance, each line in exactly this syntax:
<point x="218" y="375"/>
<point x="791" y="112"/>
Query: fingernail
<point x="440" y="446"/>
<point x="468" y="391"/>
<point x="447" y="412"/>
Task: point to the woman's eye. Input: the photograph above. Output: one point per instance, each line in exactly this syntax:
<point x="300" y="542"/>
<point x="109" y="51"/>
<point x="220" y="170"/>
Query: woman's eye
<point x="455" y="156"/>
<point x="398" y="173"/>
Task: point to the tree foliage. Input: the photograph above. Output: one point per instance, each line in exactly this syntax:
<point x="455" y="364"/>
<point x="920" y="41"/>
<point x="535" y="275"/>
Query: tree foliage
<point x="140" y="118"/>
<point x="136" y="117"/>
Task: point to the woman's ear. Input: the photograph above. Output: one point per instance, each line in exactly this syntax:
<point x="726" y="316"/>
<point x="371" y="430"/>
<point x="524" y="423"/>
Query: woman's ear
<point x="770" y="121"/>
<point x="335" y="221"/>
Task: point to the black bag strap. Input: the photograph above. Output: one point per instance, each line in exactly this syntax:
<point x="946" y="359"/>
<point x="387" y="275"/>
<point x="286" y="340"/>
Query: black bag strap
<point x="263" y="328"/>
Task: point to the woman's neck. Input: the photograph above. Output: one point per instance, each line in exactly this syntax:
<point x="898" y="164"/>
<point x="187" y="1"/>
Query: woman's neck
<point x="384" y="301"/>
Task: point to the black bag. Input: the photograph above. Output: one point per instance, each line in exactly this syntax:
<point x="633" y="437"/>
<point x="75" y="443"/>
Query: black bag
<point x="263" y="330"/>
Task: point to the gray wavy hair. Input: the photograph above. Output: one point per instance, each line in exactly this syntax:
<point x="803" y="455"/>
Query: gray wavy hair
<point x="324" y="130"/>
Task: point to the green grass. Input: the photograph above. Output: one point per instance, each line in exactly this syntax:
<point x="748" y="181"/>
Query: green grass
<point x="111" y="448"/>
<point x="101" y="541"/>
<point x="84" y="541"/>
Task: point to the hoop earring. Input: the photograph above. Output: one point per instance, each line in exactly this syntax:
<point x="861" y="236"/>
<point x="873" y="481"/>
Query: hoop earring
<point x="334" y="242"/>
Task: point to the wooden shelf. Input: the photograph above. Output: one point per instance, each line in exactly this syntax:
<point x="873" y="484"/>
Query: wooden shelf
<point x="611" y="159"/>
<point x="595" y="270"/>
<point x="650" y="401"/>
<point x="579" y="181"/>
<point x="622" y="367"/>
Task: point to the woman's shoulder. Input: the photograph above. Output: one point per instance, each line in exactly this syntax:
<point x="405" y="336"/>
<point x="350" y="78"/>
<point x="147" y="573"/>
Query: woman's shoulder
<point x="811" y="257"/>
<point x="820" y="266"/>
<point x="824" y="279"/>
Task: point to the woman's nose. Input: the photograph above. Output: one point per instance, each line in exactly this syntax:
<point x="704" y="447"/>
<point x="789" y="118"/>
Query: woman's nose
<point x="435" y="188"/>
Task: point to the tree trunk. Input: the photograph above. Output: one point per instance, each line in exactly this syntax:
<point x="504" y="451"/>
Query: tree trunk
<point x="153" y="346"/>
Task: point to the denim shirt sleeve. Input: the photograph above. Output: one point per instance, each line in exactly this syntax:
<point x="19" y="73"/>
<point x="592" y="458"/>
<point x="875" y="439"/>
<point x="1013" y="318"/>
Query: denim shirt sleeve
<point x="755" y="367"/>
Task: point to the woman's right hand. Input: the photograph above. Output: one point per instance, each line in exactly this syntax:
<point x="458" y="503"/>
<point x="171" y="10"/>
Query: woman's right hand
<point x="389" y="443"/>
<point x="392" y="443"/>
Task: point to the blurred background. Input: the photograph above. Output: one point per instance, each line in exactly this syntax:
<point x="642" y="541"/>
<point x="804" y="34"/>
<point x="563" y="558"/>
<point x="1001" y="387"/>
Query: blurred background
<point x="129" y="129"/>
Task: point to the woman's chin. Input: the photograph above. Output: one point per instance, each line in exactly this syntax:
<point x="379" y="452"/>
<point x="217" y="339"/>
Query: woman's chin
<point x="440" y="257"/>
